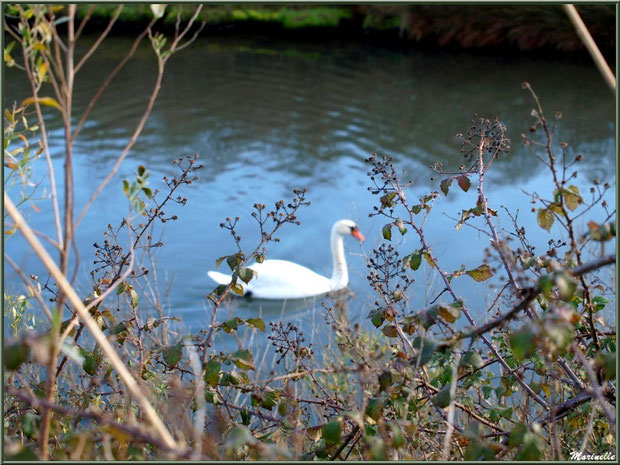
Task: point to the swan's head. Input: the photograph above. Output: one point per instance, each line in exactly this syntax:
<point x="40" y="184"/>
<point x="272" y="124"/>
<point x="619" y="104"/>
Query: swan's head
<point x="348" y="228"/>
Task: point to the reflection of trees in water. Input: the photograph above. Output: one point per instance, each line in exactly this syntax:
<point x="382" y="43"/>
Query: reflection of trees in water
<point x="277" y="108"/>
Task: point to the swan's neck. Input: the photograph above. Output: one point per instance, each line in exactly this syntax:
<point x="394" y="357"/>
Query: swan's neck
<point x="340" y="274"/>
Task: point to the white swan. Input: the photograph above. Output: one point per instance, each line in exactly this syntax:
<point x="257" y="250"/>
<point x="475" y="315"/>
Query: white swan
<point x="281" y="279"/>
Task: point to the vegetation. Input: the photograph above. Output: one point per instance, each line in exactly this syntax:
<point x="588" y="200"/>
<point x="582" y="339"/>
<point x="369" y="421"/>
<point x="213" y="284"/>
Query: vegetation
<point x="94" y="375"/>
<point x="522" y="27"/>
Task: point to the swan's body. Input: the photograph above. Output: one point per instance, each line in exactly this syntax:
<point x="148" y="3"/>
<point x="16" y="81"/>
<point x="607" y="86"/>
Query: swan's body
<point x="281" y="279"/>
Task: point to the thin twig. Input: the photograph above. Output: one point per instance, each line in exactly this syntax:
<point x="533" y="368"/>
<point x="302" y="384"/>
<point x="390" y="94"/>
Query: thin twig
<point x="91" y="324"/>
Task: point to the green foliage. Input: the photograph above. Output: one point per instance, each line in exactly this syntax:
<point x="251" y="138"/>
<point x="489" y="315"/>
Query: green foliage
<point x="137" y="188"/>
<point x="370" y="394"/>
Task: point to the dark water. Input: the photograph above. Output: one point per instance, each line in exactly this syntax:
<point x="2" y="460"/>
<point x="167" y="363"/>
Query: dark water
<point x="268" y="116"/>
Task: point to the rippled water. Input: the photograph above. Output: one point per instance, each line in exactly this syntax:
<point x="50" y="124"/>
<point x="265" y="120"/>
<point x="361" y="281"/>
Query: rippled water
<point x="267" y="116"/>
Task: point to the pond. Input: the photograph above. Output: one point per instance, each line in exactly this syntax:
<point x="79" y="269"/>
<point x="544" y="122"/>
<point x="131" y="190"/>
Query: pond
<point x="267" y="116"/>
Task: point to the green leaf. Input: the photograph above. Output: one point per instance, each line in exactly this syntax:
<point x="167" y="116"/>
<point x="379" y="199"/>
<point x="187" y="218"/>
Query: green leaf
<point x="398" y="436"/>
<point x="246" y="274"/>
<point x="135" y="300"/>
<point x="233" y="378"/>
<point x="530" y="448"/>
<point x="243" y="359"/>
<point x="415" y="260"/>
<point x="238" y="437"/>
<point x="390" y="331"/>
<point x="545" y="218"/>
<point x="599" y="302"/>
<point x="231" y="325"/>
<point x="442" y="398"/>
<point x="120" y="289"/>
<point x="212" y="372"/>
<point x="482" y="273"/>
<point x="608" y="363"/>
<point x="545" y="283"/>
<point x="377" y="449"/>
<point x="464" y="182"/>
<point x="374" y="408"/>
<point x="445" y="185"/>
<point x="256" y="323"/>
<point x="385" y="380"/>
<point x="172" y="354"/>
<point x="30" y="424"/>
<point x="523" y="342"/>
<point x="141" y="170"/>
<point x="233" y="261"/>
<point x="91" y="363"/>
<point x="517" y="434"/>
<point x="428" y="317"/>
<point x="387" y="232"/>
<point x="269" y="400"/>
<point x="220" y="260"/>
<point x="426" y="348"/>
<point x="15" y="355"/>
<point x="401" y="226"/>
<point x="245" y="416"/>
<point x="387" y="200"/>
<point x="332" y="432"/>
<point x="566" y="286"/>
<point x="416" y="209"/>
<point x="376" y="317"/>
<point x="24" y="454"/>
<point x="148" y="192"/>
<point x="126" y="187"/>
<point x="237" y="289"/>
<point x="472" y="359"/>
<point x="219" y="290"/>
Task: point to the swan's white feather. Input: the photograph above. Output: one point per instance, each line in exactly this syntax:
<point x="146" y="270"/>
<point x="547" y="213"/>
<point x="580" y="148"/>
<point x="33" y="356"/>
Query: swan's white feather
<point x="281" y="279"/>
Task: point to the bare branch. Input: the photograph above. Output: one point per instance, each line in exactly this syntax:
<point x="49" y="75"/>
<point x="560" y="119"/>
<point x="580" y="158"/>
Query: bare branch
<point x="90" y="323"/>
<point x="99" y="39"/>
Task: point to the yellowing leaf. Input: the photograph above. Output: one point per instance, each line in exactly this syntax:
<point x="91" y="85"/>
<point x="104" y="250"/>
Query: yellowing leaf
<point x="545" y="218"/>
<point x="47" y="101"/>
<point x="572" y="198"/>
<point x="42" y="70"/>
<point x="429" y="260"/>
<point x="120" y="435"/>
<point x="482" y="273"/>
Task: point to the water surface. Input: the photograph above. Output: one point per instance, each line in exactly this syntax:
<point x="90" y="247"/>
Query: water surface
<point x="268" y="116"/>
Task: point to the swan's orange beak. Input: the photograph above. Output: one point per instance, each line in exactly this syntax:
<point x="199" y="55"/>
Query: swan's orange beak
<point x="358" y="235"/>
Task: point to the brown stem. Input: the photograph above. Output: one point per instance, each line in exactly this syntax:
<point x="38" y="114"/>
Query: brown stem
<point x="100" y="39"/>
<point x="109" y="79"/>
<point x="135" y="432"/>
<point x="90" y="323"/>
<point x="128" y="147"/>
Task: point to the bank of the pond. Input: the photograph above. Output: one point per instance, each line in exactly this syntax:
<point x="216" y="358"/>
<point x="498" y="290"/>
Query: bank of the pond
<point x="489" y="27"/>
